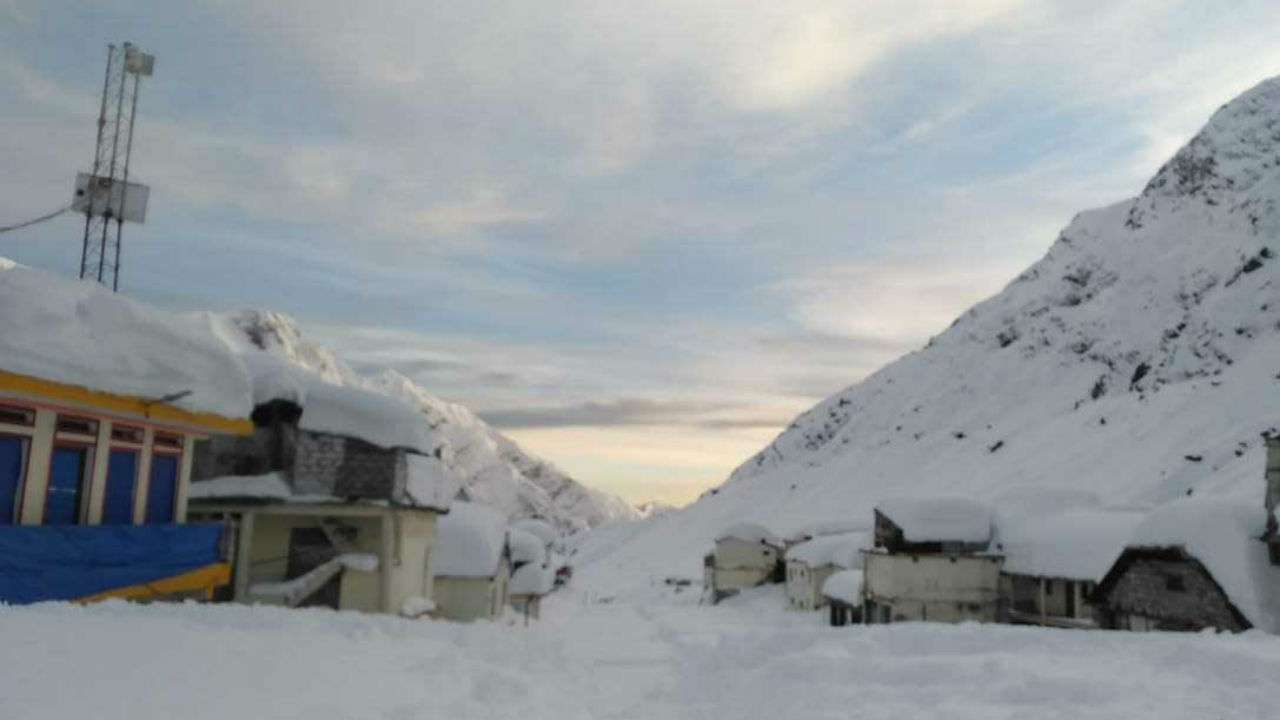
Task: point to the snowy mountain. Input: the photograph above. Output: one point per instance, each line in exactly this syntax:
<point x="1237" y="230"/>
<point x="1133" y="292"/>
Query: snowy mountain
<point x="1137" y="362"/>
<point x="495" y="470"/>
<point x="654" y="508"/>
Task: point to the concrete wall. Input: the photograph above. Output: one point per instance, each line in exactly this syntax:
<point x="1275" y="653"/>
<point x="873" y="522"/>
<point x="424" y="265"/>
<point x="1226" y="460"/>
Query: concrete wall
<point x="804" y="585"/>
<point x="941" y="588"/>
<point x="467" y="599"/>
<point x="1175" y="594"/>
<point x="740" y="564"/>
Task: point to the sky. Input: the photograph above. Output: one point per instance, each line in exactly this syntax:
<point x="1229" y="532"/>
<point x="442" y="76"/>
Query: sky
<point x="638" y="237"/>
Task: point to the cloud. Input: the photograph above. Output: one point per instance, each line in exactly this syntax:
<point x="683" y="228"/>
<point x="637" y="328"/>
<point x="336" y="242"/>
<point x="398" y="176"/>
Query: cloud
<point x="628" y="411"/>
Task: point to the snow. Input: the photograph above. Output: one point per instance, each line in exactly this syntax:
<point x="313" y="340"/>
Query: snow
<point x="271" y="486"/>
<point x="532" y="579"/>
<point x="1075" y="545"/>
<point x="845" y="585"/>
<point x="470" y="539"/>
<point x="539" y="528"/>
<point x="81" y="333"/>
<point x="526" y="547"/>
<point x="417" y="606"/>
<point x="638" y="661"/>
<point x="292" y="591"/>
<point x="749" y="532"/>
<point x="1224" y="536"/>
<point x="429" y="482"/>
<point x="840" y="550"/>
<point x="947" y="519"/>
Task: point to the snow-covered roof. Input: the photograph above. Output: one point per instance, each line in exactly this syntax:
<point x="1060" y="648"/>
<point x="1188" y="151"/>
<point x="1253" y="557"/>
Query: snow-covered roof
<point x="1224" y="536"/>
<point x="845" y="586"/>
<point x="532" y="579"/>
<point x="526" y="547"/>
<point x="81" y="333"/>
<point x="750" y="532"/>
<point x="429" y="483"/>
<point x="1077" y="545"/>
<point x="469" y="541"/>
<point x="540" y="528"/>
<point x="940" y="519"/>
<point x="271" y="486"/>
<point x="839" y="550"/>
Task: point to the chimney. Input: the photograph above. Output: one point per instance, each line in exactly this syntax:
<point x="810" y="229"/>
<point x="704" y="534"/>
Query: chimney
<point x="1273" y="472"/>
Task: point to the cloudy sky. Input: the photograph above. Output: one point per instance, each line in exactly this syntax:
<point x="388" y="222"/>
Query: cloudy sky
<point x="638" y="236"/>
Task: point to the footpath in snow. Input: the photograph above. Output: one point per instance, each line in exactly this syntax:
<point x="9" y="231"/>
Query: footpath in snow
<point x="616" y="660"/>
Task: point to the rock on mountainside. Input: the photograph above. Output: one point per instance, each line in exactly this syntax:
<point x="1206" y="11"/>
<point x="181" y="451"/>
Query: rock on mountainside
<point x="1137" y="362"/>
<point x="495" y="471"/>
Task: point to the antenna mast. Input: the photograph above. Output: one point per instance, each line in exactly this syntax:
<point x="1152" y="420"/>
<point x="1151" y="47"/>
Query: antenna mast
<point x="105" y="195"/>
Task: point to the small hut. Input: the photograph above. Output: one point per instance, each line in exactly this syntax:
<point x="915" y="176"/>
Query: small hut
<point x="1194" y="564"/>
<point x="931" y="561"/>
<point x="1052" y="564"/>
<point x="843" y="594"/>
<point x="746" y="555"/>
<point x="811" y="562"/>
<point x="470" y="563"/>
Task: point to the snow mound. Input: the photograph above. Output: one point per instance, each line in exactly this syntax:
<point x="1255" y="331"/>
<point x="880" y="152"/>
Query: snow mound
<point x="538" y="528"/>
<point x="470" y="539"/>
<point x="526" y="547"/>
<point x="429" y="482"/>
<point x="534" y="578"/>
<point x="843" y="551"/>
<point x="945" y="519"/>
<point x="81" y="333"/>
<point x="271" y="486"/>
<point x="845" y="586"/>
<point x="1076" y="545"/>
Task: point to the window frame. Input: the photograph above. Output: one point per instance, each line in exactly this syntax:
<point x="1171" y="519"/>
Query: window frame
<point x="19" y="490"/>
<point x="86" y="478"/>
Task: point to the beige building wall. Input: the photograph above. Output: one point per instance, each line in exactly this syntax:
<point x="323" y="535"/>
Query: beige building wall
<point x="939" y="588"/>
<point x="740" y="564"/>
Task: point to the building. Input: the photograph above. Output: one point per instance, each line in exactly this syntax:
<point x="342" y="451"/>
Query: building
<point x="533" y="574"/>
<point x="1052" y="563"/>
<point x="333" y="498"/>
<point x="746" y="555"/>
<point x="811" y="562"/>
<point x="471" y="563"/>
<point x="102" y="400"/>
<point x="931" y="561"/>
<point x="843" y="594"/>
<point x="1194" y="564"/>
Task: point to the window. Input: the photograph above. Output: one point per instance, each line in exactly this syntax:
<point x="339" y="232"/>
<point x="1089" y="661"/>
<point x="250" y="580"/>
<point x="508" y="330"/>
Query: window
<point x="68" y="469"/>
<point x="126" y="434"/>
<point x="162" y="493"/>
<point x="13" y="465"/>
<point x="122" y="479"/>
<point x="1175" y="583"/>
<point x="13" y="415"/>
<point x="1048" y="587"/>
<point x="77" y="426"/>
<point x="167" y="440"/>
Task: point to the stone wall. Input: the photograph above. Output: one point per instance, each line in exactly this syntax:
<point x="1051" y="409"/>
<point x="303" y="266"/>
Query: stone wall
<point x="346" y="467"/>
<point x="1180" y="593"/>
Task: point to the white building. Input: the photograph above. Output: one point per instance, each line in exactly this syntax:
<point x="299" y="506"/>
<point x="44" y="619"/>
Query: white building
<point x="811" y="562"/>
<point x="746" y="555"/>
<point x="532" y="575"/>
<point x="931" y="562"/>
<point x="470" y="563"/>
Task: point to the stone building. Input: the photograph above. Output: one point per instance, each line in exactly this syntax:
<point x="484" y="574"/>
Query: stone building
<point x="932" y="562"/>
<point x="1194" y="564"/>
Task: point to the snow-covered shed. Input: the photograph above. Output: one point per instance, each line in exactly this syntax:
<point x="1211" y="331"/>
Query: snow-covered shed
<point x="529" y="584"/>
<point x="1191" y="564"/>
<point x="843" y="594"/>
<point x="746" y="554"/>
<point x="471" y="563"/>
<point x="811" y="562"/>
<point x="931" y="562"/>
<point x="102" y="400"/>
<point x="1053" y="562"/>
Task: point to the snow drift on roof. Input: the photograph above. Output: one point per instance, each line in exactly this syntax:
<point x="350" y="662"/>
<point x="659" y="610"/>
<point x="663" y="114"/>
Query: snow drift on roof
<point x="845" y="586"/>
<point x="1076" y="545"/>
<point x="839" y="550"/>
<point x="940" y="519"/>
<point x="749" y="532"/>
<point x="81" y="333"/>
<point x="1224" y="536"/>
<point x="429" y="483"/>
<point x="539" y="528"/>
<point x="532" y="579"/>
<point x="469" y="541"/>
<point x="526" y="547"/>
<point x="271" y="486"/>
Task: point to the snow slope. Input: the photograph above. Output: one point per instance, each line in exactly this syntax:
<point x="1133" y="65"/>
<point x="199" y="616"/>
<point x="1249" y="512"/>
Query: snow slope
<point x="163" y="661"/>
<point x="495" y="471"/>
<point x="1137" y="362"/>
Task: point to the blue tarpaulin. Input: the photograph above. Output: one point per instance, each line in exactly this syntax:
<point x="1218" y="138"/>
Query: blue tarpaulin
<point x="70" y="562"/>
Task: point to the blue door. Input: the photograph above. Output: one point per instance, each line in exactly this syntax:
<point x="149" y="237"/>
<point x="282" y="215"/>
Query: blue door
<point x="163" y="492"/>
<point x="11" y="462"/>
<point x="122" y="477"/>
<point x="66" y="481"/>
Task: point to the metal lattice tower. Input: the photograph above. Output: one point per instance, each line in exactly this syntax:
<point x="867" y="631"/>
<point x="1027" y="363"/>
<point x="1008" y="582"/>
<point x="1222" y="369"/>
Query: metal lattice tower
<point x="105" y="195"/>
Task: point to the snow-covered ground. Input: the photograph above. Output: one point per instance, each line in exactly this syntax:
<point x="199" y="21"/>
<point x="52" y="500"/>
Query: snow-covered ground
<point x="656" y="659"/>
